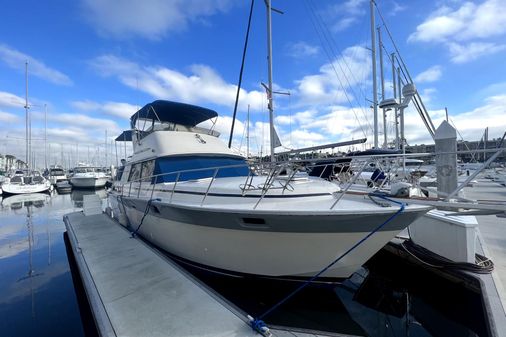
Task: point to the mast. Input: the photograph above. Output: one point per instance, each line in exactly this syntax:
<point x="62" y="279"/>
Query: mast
<point x="45" y="136"/>
<point x="269" y="68"/>
<point x="382" y="77"/>
<point x="374" y="84"/>
<point x="394" y="80"/>
<point x="105" y="148"/>
<point x="26" y="115"/>
<point x="247" y="135"/>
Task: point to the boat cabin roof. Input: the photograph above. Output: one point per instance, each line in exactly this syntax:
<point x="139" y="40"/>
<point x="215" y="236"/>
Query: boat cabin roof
<point x="173" y="112"/>
<point x="125" y="136"/>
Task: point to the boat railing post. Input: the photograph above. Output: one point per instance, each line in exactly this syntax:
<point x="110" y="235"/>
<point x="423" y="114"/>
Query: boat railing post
<point x="323" y="171"/>
<point x="247" y="183"/>
<point x="343" y="192"/>
<point x="130" y="189"/>
<point x="153" y="189"/>
<point x="209" y="187"/>
<point x="290" y="177"/>
<point x="266" y="187"/>
<point x="140" y="186"/>
<point x="174" y="187"/>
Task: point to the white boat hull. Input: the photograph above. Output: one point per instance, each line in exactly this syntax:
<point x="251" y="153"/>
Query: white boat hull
<point x="56" y="179"/>
<point x="88" y="182"/>
<point x="9" y="188"/>
<point x="257" y="250"/>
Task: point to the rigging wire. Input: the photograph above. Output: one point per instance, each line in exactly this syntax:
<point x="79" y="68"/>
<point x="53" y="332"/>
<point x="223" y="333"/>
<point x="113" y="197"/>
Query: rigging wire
<point x="240" y="73"/>
<point x="331" y="60"/>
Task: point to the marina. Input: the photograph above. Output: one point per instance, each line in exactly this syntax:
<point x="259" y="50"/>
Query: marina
<point x="154" y="183"/>
<point x="323" y="309"/>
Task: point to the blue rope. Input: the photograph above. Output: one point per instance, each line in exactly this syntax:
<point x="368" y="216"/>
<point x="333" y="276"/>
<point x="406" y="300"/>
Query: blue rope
<point x="255" y="323"/>
<point x="146" y="211"/>
<point x="259" y="326"/>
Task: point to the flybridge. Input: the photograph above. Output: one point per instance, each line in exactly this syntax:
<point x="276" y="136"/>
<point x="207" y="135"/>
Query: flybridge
<point x="173" y="112"/>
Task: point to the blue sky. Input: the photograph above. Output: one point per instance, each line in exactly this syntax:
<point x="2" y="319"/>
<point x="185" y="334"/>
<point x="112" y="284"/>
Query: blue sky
<point x="94" y="62"/>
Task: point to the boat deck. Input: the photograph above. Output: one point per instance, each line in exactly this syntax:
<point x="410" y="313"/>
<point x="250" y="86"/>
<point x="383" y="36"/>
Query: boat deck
<point x="133" y="290"/>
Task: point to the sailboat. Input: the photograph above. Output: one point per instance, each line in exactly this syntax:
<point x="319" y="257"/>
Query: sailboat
<point x="29" y="181"/>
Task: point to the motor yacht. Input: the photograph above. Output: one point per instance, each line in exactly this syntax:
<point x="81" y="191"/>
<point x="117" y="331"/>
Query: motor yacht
<point x="185" y="191"/>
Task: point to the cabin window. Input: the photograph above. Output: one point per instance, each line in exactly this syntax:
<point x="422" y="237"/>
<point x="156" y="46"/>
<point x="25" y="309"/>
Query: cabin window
<point x="147" y="170"/>
<point x="201" y="167"/>
<point x="135" y="172"/>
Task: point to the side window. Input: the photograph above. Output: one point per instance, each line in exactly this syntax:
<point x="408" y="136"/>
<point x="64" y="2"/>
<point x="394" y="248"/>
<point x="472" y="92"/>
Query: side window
<point x="135" y="172"/>
<point x="147" y="169"/>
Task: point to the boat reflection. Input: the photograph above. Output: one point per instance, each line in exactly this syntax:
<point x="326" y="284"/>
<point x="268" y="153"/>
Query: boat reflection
<point x="77" y="195"/>
<point x="18" y="201"/>
<point x="31" y="274"/>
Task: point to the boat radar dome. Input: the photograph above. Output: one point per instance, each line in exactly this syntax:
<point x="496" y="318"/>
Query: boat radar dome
<point x="388" y="103"/>
<point x="409" y="90"/>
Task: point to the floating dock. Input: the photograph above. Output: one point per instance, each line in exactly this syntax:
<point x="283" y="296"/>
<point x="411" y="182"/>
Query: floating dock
<point x="134" y="290"/>
<point x="491" y="242"/>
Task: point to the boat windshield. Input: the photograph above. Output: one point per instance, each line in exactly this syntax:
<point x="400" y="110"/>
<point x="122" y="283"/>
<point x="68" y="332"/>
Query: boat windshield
<point x="84" y="169"/>
<point x="57" y="172"/>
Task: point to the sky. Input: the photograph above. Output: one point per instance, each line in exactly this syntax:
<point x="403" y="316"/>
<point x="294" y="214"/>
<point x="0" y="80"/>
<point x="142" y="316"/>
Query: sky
<point x="93" y="63"/>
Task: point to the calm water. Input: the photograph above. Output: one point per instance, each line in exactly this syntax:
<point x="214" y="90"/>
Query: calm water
<point x="37" y="296"/>
<point x="388" y="297"/>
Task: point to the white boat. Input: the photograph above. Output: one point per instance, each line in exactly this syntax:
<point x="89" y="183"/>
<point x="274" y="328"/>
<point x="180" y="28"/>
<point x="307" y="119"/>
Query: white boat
<point x="188" y="193"/>
<point x="30" y="181"/>
<point x="56" y="174"/>
<point x="88" y="177"/>
<point x="24" y="184"/>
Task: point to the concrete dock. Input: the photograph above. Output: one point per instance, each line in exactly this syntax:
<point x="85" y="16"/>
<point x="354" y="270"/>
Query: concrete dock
<point x="133" y="290"/>
<point x="491" y="242"/>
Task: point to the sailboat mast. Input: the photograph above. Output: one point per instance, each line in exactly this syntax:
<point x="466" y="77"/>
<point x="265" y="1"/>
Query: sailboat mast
<point x="247" y="135"/>
<point x="26" y="113"/>
<point x="374" y="84"/>
<point x="45" y="136"/>
<point x="269" y="68"/>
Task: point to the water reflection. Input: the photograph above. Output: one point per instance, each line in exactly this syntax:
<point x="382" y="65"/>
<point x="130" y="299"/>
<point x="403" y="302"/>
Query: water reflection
<point x="36" y="292"/>
<point x="30" y="201"/>
<point x="77" y="195"/>
<point x="19" y="201"/>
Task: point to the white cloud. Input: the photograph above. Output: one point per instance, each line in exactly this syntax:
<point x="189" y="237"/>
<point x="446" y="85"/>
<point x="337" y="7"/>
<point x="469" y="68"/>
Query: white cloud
<point x="10" y="100"/>
<point x="430" y="75"/>
<point x="347" y="13"/>
<point x="86" y="105"/>
<point x="202" y="85"/>
<point x="327" y="87"/>
<point x="118" y="109"/>
<point x="6" y="117"/>
<point x="427" y="94"/>
<point x="467" y="31"/>
<point x="303" y="117"/>
<point x="75" y="120"/>
<point x="302" y="49"/>
<point x="16" y="59"/>
<point x="470" y="124"/>
<point x="472" y="51"/>
<point x="151" y="19"/>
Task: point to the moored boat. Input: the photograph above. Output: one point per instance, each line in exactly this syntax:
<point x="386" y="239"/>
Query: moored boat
<point x="88" y="177"/>
<point x="189" y="194"/>
<point x="25" y="184"/>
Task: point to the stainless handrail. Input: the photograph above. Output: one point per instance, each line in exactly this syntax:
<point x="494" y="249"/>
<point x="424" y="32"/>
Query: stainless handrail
<point x="343" y="192"/>
<point x="209" y="187"/>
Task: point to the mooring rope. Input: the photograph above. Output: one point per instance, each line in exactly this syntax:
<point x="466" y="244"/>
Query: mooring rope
<point x="259" y="325"/>
<point x="146" y="211"/>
